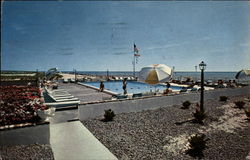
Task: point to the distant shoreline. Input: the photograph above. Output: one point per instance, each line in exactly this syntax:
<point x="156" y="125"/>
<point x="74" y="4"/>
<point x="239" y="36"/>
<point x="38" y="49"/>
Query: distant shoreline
<point x="178" y="75"/>
<point x="32" y="71"/>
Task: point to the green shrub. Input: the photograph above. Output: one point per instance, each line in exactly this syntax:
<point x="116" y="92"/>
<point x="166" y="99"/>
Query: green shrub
<point x="199" y="116"/>
<point x="223" y="98"/>
<point x="109" y="115"/>
<point x="240" y="104"/>
<point x="197" y="144"/>
<point x="186" y="105"/>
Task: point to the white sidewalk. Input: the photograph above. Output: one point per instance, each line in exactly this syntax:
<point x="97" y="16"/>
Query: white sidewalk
<point x="73" y="141"/>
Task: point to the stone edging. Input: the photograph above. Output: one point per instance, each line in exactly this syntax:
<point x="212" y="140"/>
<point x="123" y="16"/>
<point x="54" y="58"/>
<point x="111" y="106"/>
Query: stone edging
<point x="95" y="88"/>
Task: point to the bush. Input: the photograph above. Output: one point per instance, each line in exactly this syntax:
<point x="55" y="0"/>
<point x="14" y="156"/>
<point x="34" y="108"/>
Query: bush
<point x="197" y="144"/>
<point x="223" y="98"/>
<point x="199" y="115"/>
<point x="240" y="104"/>
<point x="247" y="111"/>
<point x="109" y="115"/>
<point x="186" y="105"/>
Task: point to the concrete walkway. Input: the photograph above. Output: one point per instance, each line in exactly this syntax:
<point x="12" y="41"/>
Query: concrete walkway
<point x="64" y="116"/>
<point x="73" y="141"/>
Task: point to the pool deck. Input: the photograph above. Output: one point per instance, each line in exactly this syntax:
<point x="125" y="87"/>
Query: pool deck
<point x="83" y="93"/>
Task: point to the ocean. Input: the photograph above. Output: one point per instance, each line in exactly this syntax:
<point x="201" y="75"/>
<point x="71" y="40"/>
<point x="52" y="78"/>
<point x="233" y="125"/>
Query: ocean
<point x="177" y="75"/>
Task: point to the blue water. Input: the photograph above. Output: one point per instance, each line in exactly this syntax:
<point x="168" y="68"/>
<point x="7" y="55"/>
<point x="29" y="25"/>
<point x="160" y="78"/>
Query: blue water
<point x="207" y="75"/>
<point x="177" y="75"/>
<point x="132" y="86"/>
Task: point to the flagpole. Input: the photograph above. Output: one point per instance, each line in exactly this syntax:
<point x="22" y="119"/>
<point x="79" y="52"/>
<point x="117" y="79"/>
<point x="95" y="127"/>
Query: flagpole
<point x="134" y="64"/>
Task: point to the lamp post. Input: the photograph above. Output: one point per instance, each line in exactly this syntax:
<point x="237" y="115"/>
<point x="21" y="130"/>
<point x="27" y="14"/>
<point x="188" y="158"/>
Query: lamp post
<point x="202" y="67"/>
<point x="75" y="75"/>
<point x="37" y="77"/>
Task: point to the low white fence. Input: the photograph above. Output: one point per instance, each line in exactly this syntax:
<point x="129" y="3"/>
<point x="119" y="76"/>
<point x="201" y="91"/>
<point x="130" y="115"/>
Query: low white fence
<point x="87" y="111"/>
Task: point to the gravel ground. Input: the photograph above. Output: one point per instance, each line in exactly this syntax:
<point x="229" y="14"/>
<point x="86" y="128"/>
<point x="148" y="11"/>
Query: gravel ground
<point x="26" y="152"/>
<point x="154" y="134"/>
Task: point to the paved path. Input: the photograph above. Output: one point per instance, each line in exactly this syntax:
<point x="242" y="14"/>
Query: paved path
<point x="64" y="116"/>
<point x="73" y="141"/>
<point x="83" y="93"/>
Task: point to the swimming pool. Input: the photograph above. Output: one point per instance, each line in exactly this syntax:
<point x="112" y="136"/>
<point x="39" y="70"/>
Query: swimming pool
<point x="132" y="86"/>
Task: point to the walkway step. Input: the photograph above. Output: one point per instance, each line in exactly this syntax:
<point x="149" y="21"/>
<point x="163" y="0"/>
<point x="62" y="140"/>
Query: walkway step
<point x="72" y="140"/>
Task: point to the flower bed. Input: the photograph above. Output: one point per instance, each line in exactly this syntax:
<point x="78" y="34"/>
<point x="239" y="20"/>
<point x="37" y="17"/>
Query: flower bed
<point x="19" y="104"/>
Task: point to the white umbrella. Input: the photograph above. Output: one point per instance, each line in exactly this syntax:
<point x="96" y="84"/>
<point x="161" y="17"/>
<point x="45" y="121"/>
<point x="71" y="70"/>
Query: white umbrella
<point x="243" y="74"/>
<point x="156" y="73"/>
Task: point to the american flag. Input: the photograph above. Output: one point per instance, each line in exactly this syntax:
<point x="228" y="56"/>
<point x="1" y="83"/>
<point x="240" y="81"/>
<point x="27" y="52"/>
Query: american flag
<point x="136" y="50"/>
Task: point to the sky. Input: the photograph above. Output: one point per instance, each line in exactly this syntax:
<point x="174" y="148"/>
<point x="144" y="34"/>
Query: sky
<point x="99" y="36"/>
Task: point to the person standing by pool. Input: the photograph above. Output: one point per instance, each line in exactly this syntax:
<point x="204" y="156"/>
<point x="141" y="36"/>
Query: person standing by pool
<point x="168" y="85"/>
<point x="124" y="86"/>
<point x="101" y="86"/>
<point x="167" y="90"/>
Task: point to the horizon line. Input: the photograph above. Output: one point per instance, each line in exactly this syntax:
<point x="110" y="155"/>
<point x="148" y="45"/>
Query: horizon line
<point x="101" y="71"/>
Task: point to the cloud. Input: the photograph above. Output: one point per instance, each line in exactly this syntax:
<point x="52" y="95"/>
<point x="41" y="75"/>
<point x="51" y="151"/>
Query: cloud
<point x="66" y="49"/>
<point x="165" y="46"/>
<point x="20" y="29"/>
<point x="120" y="23"/>
<point x="180" y="44"/>
<point x="66" y="54"/>
<point x="113" y="23"/>
<point x="120" y="48"/>
<point x="205" y="38"/>
<point x="217" y="50"/>
<point x="120" y="53"/>
<point x="245" y="44"/>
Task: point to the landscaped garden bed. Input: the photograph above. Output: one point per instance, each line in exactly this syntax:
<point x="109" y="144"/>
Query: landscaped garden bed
<point x="166" y="133"/>
<point x="19" y="104"/>
<point x="21" y="116"/>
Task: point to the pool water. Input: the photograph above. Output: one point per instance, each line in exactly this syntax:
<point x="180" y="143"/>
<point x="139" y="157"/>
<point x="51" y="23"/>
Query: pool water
<point x="132" y="86"/>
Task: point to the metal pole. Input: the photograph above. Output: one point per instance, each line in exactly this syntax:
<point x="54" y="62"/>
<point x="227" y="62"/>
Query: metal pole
<point x="202" y="91"/>
<point x="134" y="64"/>
<point x="75" y="75"/>
<point x="173" y="72"/>
<point x="107" y="74"/>
<point x="36" y="77"/>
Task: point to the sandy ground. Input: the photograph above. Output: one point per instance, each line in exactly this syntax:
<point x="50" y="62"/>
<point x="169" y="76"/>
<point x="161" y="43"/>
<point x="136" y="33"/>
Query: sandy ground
<point x="25" y="152"/>
<point x="68" y="76"/>
<point x="154" y="134"/>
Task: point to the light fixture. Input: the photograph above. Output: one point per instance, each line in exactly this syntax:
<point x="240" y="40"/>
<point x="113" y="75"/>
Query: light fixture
<point x="202" y="65"/>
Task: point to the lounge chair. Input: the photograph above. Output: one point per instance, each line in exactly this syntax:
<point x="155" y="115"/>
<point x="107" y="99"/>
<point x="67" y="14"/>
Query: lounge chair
<point x="67" y="100"/>
<point x="135" y="95"/>
<point x="121" y="96"/>
<point x="194" y="89"/>
<point x="183" y="90"/>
